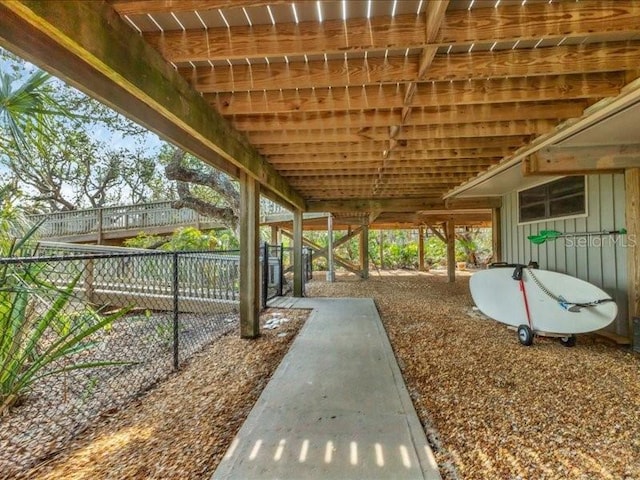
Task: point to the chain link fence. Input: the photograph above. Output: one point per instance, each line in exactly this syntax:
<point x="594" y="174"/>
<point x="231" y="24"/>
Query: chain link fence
<point x="86" y="329"/>
<point x="83" y="334"/>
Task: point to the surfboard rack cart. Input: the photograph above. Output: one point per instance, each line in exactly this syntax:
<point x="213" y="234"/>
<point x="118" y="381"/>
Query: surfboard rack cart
<point x="526" y="332"/>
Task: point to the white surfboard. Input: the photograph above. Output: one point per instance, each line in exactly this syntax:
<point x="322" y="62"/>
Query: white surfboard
<point x="558" y="304"/>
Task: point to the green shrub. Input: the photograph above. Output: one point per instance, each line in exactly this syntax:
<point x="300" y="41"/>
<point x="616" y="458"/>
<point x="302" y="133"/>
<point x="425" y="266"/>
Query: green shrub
<point x="33" y="342"/>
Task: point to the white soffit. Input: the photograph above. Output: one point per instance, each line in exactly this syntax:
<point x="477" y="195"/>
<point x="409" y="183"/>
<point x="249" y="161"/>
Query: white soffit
<point x="622" y="127"/>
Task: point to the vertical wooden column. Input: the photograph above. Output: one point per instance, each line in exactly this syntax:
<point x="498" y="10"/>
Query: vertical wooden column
<point x="451" y="251"/>
<point x="298" y="267"/>
<point x="632" y="201"/>
<point x="364" y="252"/>
<point x="421" y="249"/>
<point x="496" y="234"/>
<point x="381" y="249"/>
<point x="99" y="237"/>
<point x="331" y="274"/>
<point x="249" y="257"/>
<point x="275" y="235"/>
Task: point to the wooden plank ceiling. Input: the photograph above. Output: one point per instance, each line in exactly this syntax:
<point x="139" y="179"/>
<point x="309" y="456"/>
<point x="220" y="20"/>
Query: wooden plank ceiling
<point x="385" y="99"/>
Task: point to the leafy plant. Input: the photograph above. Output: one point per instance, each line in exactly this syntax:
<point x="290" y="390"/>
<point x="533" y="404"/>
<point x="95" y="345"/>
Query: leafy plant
<point x="37" y="342"/>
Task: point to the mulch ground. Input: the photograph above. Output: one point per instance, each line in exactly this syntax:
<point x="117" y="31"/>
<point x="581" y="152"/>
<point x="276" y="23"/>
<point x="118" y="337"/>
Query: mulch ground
<point x="182" y="428"/>
<point x="494" y="409"/>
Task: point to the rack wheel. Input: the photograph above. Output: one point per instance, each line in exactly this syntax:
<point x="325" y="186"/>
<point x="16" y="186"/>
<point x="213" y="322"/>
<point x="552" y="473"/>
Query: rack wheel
<point x="525" y="335"/>
<point x="569" y="341"/>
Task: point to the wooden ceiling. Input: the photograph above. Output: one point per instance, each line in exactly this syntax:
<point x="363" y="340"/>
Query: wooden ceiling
<point x="389" y="99"/>
<point x="362" y="107"/>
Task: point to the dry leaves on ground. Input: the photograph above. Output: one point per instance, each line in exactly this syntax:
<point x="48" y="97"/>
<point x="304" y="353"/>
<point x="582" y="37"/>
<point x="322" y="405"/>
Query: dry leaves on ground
<point x="181" y="428"/>
<point x="493" y="408"/>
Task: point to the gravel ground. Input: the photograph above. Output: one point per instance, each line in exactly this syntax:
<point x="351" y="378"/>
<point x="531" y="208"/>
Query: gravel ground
<point x="497" y="410"/>
<point x="181" y="428"/>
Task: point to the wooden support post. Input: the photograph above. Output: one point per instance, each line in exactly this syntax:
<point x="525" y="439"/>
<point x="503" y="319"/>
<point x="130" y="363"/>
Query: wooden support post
<point x="249" y="257"/>
<point x="421" y="249"/>
<point x="364" y="252"/>
<point x="298" y="267"/>
<point x="451" y="251"/>
<point x="275" y="235"/>
<point x="496" y="234"/>
<point x="632" y="201"/>
<point x="381" y="249"/>
<point x="331" y="274"/>
<point x="99" y="235"/>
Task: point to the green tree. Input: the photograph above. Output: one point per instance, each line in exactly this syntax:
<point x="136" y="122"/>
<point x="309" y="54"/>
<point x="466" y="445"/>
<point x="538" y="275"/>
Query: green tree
<point x="63" y="160"/>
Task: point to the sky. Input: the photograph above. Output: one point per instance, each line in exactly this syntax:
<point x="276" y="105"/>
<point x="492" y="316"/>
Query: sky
<point x="149" y="141"/>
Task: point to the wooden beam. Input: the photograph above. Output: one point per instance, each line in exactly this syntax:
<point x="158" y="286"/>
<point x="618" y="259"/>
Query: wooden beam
<point x="473" y="202"/>
<point x="463" y="130"/>
<point x="94" y="50"/>
<point x="249" y="257"/>
<point x="494" y="90"/>
<point x="451" y="251"/>
<point x="358" y="178"/>
<point x="381" y="245"/>
<point x="143" y="7"/>
<point x="496" y="234"/>
<point x="541" y="20"/>
<point x="558" y="160"/>
<point x="364" y="252"/>
<point x="367" y="162"/>
<point x="570" y="59"/>
<point x="565" y="59"/>
<point x="298" y="267"/>
<point x="348" y="169"/>
<point x="380" y="166"/>
<point x="507" y="23"/>
<point x="331" y="274"/>
<point x="402" y="205"/>
<point x="435" y="145"/>
<point x="632" y="205"/>
<point x="437" y="232"/>
<point x="421" y="249"/>
<point x="448" y="114"/>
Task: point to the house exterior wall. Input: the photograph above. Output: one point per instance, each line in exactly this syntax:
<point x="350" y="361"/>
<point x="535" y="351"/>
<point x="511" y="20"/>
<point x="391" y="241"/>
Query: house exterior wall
<point x="600" y="260"/>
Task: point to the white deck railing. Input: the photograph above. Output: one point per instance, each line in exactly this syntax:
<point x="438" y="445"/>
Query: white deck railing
<point x="128" y="217"/>
<point x="106" y="219"/>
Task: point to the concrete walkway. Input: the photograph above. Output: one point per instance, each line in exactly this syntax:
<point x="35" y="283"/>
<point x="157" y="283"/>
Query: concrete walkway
<point x="336" y="407"/>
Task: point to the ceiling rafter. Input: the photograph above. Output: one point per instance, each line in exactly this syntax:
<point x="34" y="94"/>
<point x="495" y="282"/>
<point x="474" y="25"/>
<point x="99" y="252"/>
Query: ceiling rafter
<point x="555" y="20"/>
<point x="376" y="105"/>
<point x="486" y="129"/>
<point x="142" y="7"/>
<point x="498" y="90"/>
<point x="450" y="114"/>
<point x="318" y="146"/>
<point x="569" y="59"/>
